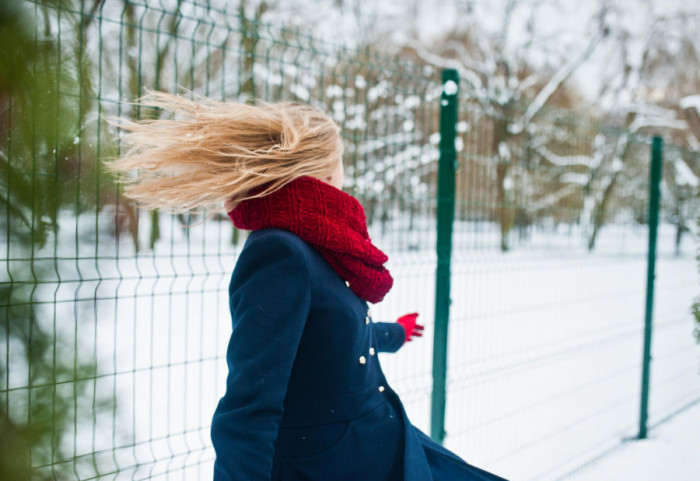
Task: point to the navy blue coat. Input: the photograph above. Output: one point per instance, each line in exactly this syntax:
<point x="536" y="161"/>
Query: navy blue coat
<point x="305" y="397"/>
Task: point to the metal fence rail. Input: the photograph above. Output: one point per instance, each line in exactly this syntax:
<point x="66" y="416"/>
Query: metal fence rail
<point x="114" y="321"/>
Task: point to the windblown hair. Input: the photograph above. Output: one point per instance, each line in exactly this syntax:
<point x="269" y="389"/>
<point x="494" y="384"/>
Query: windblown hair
<point x="211" y="153"/>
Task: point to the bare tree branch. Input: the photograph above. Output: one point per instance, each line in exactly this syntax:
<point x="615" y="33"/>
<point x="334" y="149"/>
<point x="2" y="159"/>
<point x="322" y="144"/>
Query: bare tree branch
<point x="557" y="80"/>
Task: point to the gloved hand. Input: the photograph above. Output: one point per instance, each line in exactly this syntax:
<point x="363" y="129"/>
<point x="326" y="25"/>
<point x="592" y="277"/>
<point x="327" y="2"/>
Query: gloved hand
<point x="408" y="322"/>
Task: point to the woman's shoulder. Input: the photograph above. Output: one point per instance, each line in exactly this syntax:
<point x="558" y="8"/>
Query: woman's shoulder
<point x="279" y="244"/>
<point x="275" y="238"/>
<point x="272" y="235"/>
<point x="271" y="254"/>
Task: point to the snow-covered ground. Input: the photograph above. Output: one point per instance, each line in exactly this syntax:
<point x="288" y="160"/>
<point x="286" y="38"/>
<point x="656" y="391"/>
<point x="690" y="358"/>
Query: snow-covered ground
<point x="544" y="353"/>
<point x="546" y="346"/>
<point x="669" y="453"/>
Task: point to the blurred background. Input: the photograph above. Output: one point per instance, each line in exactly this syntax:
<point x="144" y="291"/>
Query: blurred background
<point x="513" y="195"/>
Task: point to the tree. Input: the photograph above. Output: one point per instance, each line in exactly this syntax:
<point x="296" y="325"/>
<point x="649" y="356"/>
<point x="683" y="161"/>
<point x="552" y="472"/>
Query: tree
<point x="654" y="72"/>
<point x="499" y="73"/>
<point x="42" y="164"/>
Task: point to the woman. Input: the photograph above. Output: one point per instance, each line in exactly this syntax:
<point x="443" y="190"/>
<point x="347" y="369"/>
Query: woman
<point x="305" y="397"/>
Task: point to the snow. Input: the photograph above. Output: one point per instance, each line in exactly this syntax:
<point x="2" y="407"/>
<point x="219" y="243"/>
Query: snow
<point x="544" y="353"/>
<point x="334" y="91"/>
<point x="573" y="178"/>
<point x="503" y="150"/>
<point x="556" y="81"/>
<point x="654" y="116"/>
<point x="380" y="90"/>
<point x="670" y="452"/>
<point x="545" y="341"/>
<point x="450" y="87"/>
<point x="569" y="160"/>
<point x="412" y="102"/>
<point x="685" y="176"/>
<point x="301" y="92"/>
<point x="691" y="101"/>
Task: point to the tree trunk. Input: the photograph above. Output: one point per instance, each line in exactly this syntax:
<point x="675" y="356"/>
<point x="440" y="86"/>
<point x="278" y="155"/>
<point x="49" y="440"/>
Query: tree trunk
<point x="600" y="210"/>
<point x="249" y="41"/>
<point x="505" y="216"/>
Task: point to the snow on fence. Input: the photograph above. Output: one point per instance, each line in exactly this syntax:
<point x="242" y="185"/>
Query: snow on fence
<point x="115" y="320"/>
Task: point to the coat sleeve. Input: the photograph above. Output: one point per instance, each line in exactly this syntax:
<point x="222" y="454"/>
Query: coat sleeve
<point x="270" y="297"/>
<point x="390" y="336"/>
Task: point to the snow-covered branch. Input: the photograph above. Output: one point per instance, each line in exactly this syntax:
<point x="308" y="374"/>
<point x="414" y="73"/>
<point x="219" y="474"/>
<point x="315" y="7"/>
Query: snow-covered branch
<point x="691" y="109"/>
<point x="654" y="116"/>
<point x="551" y="199"/>
<point x="555" y="82"/>
<point x="471" y="77"/>
<point x="567" y="161"/>
<point x="684" y="175"/>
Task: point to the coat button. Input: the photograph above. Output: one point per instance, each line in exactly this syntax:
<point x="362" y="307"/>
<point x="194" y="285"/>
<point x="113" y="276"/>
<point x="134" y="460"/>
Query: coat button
<point x="372" y="352"/>
<point x="347" y="283"/>
<point x="366" y="320"/>
<point x="363" y="360"/>
<point x="381" y="388"/>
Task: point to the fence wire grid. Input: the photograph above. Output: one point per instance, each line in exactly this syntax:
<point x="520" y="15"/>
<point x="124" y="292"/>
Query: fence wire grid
<point x="115" y="320"/>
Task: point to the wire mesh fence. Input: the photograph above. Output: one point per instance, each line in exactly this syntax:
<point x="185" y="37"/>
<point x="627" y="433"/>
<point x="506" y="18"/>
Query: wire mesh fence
<point x="115" y="320"/>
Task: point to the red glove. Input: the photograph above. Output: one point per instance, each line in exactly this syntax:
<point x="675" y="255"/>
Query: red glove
<point x="408" y="322"/>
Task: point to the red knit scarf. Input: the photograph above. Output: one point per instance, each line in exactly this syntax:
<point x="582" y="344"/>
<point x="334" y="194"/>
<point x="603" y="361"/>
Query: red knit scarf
<point x="332" y="221"/>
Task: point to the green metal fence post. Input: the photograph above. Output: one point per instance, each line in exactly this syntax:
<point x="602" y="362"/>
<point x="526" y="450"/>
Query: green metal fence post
<point x="654" y="195"/>
<point x="445" y="218"/>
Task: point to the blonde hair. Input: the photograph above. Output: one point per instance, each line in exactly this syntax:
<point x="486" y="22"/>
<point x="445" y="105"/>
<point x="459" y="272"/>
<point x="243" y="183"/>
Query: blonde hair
<point x="221" y="152"/>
